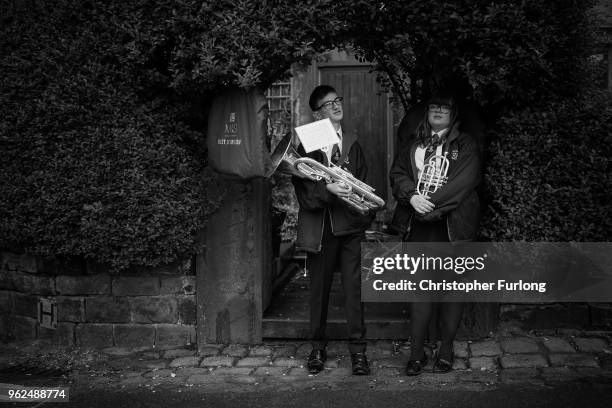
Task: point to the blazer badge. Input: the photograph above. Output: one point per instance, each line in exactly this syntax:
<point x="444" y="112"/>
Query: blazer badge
<point x="454" y="154"/>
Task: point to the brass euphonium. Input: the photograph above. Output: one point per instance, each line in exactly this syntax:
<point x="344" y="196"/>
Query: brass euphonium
<point x="287" y="160"/>
<point x="433" y="176"/>
<point x="361" y="198"/>
<point x="284" y="160"/>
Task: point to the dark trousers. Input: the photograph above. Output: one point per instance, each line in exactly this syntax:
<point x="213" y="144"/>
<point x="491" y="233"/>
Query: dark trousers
<point x="430" y="316"/>
<point x="344" y="253"/>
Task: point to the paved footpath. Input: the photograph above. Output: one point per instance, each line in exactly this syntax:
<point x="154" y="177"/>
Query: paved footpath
<point x="518" y="359"/>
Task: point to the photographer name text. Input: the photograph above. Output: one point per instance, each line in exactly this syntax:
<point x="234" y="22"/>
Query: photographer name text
<point x="428" y="285"/>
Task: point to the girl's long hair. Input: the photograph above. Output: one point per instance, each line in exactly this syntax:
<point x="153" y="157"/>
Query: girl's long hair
<point x="423" y="131"/>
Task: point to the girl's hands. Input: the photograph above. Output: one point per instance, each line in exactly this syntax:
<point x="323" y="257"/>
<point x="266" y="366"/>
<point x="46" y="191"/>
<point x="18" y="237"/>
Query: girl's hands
<point x="421" y="204"/>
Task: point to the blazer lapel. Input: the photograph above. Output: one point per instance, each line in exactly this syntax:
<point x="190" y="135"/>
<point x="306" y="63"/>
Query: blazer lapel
<point x="348" y="138"/>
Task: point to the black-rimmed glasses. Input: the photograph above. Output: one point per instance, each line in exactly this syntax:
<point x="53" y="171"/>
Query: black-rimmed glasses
<point x="440" y="108"/>
<point x="337" y="101"/>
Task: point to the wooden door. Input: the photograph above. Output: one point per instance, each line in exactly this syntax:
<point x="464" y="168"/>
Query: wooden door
<point x="366" y="114"/>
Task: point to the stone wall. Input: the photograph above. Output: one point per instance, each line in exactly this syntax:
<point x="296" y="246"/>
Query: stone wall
<point x="148" y="308"/>
<point x="547" y="316"/>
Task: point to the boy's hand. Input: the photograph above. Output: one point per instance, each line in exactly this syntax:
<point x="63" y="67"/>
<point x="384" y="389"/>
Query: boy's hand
<point x="339" y="189"/>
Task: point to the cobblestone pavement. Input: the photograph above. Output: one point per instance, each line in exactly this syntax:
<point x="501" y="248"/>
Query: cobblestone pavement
<point x="538" y="359"/>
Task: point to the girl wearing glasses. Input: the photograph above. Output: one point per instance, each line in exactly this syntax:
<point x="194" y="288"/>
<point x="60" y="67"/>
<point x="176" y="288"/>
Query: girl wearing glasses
<point x="450" y="213"/>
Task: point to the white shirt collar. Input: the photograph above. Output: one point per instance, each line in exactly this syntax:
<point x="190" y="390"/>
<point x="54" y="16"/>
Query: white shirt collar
<point x="440" y="133"/>
<point x="328" y="149"/>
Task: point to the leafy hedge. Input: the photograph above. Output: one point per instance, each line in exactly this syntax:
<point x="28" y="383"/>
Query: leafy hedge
<point x="244" y="43"/>
<point x="93" y="163"/>
<point x="102" y="111"/>
<point x="103" y="103"/>
<point x="512" y="52"/>
<point x="548" y="176"/>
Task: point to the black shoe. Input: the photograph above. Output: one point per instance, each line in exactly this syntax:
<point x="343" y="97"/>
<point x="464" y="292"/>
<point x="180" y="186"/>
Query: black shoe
<point x="414" y="367"/>
<point x="442" y="365"/>
<point x="360" y="364"/>
<point x="316" y="361"/>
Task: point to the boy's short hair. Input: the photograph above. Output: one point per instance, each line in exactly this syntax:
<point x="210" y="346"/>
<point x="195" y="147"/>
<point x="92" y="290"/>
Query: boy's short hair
<point x="317" y="94"/>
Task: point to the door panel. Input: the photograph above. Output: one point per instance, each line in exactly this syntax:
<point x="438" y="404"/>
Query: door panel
<point x="365" y="114"/>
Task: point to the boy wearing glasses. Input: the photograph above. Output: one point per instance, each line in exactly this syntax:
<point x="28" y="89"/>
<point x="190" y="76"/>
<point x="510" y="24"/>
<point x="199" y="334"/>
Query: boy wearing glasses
<point x="330" y="232"/>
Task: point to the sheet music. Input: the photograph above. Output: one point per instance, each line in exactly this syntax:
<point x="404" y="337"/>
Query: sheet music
<point x="317" y="134"/>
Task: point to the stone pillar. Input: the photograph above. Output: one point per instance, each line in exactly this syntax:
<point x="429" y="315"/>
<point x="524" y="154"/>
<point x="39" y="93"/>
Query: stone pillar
<point x="479" y="320"/>
<point x="229" y="273"/>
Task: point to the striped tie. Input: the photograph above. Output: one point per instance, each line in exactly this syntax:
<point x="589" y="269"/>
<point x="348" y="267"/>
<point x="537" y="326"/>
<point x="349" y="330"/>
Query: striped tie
<point x="335" y="156"/>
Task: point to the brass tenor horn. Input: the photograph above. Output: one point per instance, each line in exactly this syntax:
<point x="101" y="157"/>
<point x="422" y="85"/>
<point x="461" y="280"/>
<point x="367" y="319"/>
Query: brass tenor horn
<point x="433" y="176"/>
<point x="287" y="160"/>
